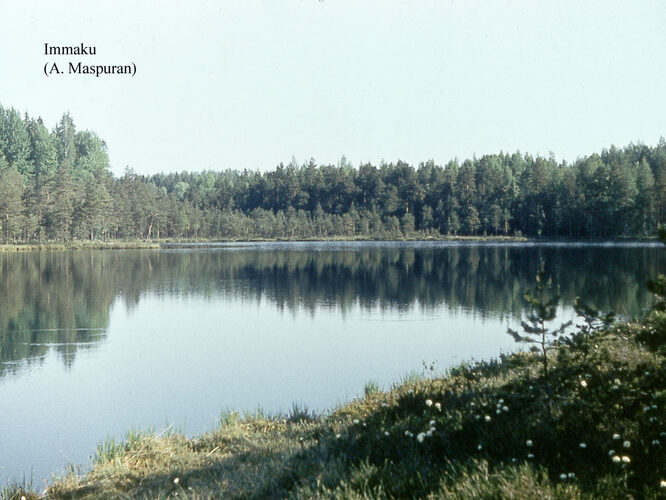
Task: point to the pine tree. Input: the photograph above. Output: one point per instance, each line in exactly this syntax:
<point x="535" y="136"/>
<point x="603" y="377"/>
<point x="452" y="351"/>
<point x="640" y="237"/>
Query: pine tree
<point x="61" y="210"/>
<point x="65" y="134"/>
<point x="11" y="202"/>
<point x="542" y="308"/>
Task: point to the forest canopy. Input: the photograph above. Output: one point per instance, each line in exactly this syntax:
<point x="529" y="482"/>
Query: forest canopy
<point x="56" y="185"/>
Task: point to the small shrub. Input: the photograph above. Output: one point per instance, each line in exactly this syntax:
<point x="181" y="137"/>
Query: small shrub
<point x="542" y="310"/>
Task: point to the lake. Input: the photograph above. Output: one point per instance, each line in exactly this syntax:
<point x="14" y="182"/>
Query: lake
<point x="95" y="343"/>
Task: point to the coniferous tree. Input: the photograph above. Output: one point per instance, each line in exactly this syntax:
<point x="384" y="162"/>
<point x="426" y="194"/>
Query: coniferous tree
<point x="61" y="210"/>
<point x="11" y="202"/>
<point x="65" y="134"/>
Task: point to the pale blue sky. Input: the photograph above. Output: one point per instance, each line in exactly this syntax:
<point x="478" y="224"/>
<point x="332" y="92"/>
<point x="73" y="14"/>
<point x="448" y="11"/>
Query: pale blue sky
<point x="249" y="84"/>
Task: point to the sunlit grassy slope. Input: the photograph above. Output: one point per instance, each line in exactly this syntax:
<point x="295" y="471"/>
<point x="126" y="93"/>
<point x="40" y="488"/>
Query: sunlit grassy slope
<point x="594" y="428"/>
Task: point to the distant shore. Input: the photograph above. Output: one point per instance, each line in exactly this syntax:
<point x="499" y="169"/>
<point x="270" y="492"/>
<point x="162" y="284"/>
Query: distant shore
<point x="79" y="245"/>
<point x="165" y="243"/>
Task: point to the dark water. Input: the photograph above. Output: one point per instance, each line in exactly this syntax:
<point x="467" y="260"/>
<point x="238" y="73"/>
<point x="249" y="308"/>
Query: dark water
<point x="96" y="343"/>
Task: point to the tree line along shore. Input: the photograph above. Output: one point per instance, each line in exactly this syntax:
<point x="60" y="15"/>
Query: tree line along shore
<point x="56" y="186"/>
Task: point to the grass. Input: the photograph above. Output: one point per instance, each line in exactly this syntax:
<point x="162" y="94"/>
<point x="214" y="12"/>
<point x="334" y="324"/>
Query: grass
<point x="165" y="242"/>
<point x="595" y="428"/>
<point x="18" y="491"/>
<point x="366" y="237"/>
<point x="80" y="245"/>
<point x="371" y="388"/>
<point x="155" y="244"/>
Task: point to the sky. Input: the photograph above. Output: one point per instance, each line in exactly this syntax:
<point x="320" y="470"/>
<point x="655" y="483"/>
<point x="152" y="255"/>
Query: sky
<point x="248" y="84"/>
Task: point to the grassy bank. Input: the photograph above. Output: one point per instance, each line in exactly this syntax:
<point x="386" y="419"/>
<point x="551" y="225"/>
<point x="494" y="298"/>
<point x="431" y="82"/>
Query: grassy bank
<point x="81" y="245"/>
<point x="154" y="244"/>
<point x="345" y="238"/>
<point x="593" y="426"/>
<point x="165" y="243"/>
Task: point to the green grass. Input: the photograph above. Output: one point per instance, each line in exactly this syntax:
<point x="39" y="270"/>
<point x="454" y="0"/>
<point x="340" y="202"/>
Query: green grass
<point x="366" y="237"/>
<point x="155" y="244"/>
<point x="496" y="429"/>
<point x="18" y="491"/>
<point x="80" y="245"/>
<point x="371" y="388"/>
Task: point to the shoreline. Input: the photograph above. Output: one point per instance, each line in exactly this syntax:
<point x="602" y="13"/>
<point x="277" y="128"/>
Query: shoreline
<point x="79" y="245"/>
<point x="498" y="428"/>
<point x="170" y="242"/>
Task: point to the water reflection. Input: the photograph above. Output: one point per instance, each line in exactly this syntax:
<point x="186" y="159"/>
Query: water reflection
<point x="60" y="301"/>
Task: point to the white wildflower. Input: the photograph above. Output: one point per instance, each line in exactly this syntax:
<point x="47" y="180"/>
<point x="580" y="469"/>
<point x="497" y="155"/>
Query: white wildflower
<point x="571" y="475"/>
<point x="626" y="444"/>
<point x="626" y="459"/>
<point x="582" y="445"/>
<point x="338" y="436"/>
<point x="563" y="477"/>
<point x="529" y="443"/>
<point x="438" y="406"/>
<point x="176" y="480"/>
<point x="432" y="423"/>
<point x="662" y="484"/>
<point x="421" y="437"/>
<point x="583" y="383"/>
<point x="611" y="453"/>
<point x="616" y="436"/>
<point x="655" y="442"/>
<point x="505" y="408"/>
<point x="487" y="418"/>
<point x="530" y="455"/>
<point x="428" y="402"/>
<point x="616" y="459"/>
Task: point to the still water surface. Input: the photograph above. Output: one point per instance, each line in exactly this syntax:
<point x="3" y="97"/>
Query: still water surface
<point x="94" y="343"/>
